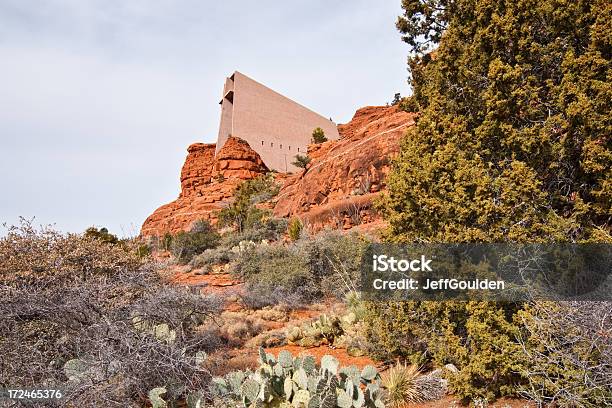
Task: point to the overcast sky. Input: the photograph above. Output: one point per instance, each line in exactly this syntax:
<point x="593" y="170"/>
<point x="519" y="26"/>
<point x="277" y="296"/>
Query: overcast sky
<point x="100" y="99"/>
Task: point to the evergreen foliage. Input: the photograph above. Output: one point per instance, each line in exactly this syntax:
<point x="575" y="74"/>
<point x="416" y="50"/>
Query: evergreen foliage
<point x="318" y="136"/>
<point x="301" y="161"/>
<point x="187" y="244"/>
<point x="295" y="229"/>
<point x="513" y="139"/>
<point x="101" y="234"/>
<point x="242" y="213"/>
<point x="512" y="143"/>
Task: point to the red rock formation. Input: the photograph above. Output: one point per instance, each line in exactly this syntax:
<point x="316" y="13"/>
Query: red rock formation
<point x="346" y="175"/>
<point x="197" y="169"/>
<point x="236" y="159"/>
<point x="207" y="185"/>
<point x="337" y="189"/>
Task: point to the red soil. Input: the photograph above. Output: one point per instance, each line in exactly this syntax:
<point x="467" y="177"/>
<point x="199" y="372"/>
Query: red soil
<point x="320" y="351"/>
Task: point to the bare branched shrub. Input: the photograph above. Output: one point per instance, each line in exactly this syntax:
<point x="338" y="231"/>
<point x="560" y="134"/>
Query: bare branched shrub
<point x="364" y="185"/>
<point x="92" y="318"/>
<point x="44" y="256"/>
<point x="569" y="349"/>
<point x="354" y="212"/>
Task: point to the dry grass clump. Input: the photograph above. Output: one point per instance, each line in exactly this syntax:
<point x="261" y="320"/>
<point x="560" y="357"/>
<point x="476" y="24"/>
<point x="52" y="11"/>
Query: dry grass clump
<point x="278" y="313"/>
<point x="272" y="338"/>
<point x="238" y="327"/>
<point x="405" y="384"/>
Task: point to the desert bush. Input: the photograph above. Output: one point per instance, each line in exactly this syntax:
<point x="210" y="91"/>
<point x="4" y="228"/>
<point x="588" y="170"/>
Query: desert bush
<point x="242" y="212"/>
<point x="569" y="349"/>
<point x="318" y="136"/>
<point x="302" y="272"/>
<point x="301" y="161"/>
<point x="284" y="380"/>
<point x="295" y="229"/>
<point x="106" y="336"/>
<point x="335" y="260"/>
<point x="129" y="337"/>
<point x="477" y="337"/>
<point x="187" y="244"/>
<point x="31" y="256"/>
<point x="272" y="272"/>
<point x="212" y="257"/>
<point x="258" y="296"/>
<point x="102" y="234"/>
<point x="238" y="327"/>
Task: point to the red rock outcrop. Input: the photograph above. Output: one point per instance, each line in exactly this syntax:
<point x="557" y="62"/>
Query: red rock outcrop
<point x="337" y="189"/>
<point x="197" y="169"/>
<point x="346" y="175"/>
<point x="207" y="185"/>
<point x="236" y="159"/>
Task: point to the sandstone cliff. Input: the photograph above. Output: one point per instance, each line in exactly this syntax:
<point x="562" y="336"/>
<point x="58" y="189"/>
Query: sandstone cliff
<point x="346" y="175"/>
<point x="337" y="189"/>
<point x="207" y="185"/>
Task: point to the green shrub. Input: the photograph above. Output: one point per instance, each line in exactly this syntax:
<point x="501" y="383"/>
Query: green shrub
<point x="477" y="337"/>
<point x="397" y="98"/>
<point x="318" y="136"/>
<point x="101" y="234"/>
<point x="242" y="212"/>
<point x="295" y="229"/>
<point x="301" y="161"/>
<point x="409" y="104"/>
<point x="186" y="244"/>
<point x="211" y="257"/>
<point x="277" y="273"/>
<point x="304" y="271"/>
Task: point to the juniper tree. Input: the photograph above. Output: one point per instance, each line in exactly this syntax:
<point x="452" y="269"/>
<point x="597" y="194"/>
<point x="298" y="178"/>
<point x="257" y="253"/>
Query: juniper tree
<point x="301" y="161"/>
<point x="318" y="135"/>
<point x="513" y="139"/>
<point x="512" y="143"/>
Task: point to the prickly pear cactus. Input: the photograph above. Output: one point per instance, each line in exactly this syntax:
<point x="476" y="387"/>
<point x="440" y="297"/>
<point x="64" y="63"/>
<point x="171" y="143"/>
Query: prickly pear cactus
<point x="324" y="330"/>
<point x="288" y="382"/>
